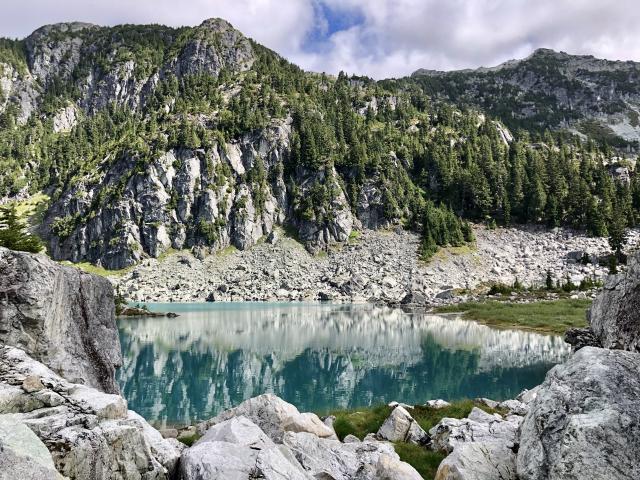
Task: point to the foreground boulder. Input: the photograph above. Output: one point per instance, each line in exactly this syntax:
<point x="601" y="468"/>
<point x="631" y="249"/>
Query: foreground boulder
<point x="614" y="317"/>
<point x="238" y="449"/>
<point x="481" y="446"/>
<point x="584" y="421"/>
<point x="324" y="458"/>
<point x="266" y="437"/>
<point x="401" y="427"/>
<point x="22" y="454"/>
<point x="89" y="434"/>
<point x="60" y="316"/>
<point x="275" y="417"/>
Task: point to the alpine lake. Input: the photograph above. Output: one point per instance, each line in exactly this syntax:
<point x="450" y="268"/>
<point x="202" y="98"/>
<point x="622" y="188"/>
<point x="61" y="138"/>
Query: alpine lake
<point x="318" y="356"/>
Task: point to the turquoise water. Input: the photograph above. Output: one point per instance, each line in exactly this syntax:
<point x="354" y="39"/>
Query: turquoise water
<point x="318" y="357"/>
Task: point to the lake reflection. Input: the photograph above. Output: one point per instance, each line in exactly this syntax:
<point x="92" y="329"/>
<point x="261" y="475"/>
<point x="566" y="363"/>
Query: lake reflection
<point x="319" y="357"/>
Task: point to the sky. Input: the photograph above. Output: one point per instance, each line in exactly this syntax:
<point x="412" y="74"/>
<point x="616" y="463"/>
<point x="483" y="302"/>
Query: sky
<point x="378" y="38"/>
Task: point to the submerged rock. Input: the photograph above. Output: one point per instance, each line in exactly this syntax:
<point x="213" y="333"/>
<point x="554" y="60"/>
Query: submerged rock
<point x="61" y="316"/>
<point x="584" y="421"/>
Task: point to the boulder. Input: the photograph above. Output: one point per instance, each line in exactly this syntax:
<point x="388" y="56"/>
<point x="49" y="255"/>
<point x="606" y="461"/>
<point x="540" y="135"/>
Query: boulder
<point x="22" y="453"/>
<point x="481" y="446"/>
<point x="275" y="417"/>
<point x="514" y="407"/>
<point x="60" y="316"/>
<point x="437" y="404"/>
<point x="401" y="427"/>
<point x="614" y="317"/>
<point x="584" y="421"/>
<point x="479" y="426"/>
<point x="324" y="458"/>
<point x="478" y="461"/>
<point x="581" y="337"/>
<point x="238" y="449"/>
<point x="90" y="434"/>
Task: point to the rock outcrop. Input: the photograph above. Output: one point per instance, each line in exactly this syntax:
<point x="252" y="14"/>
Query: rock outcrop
<point x="60" y="316"/>
<point x="401" y="427"/>
<point x="274" y="416"/>
<point x="584" y="421"/>
<point x="614" y="317"/>
<point x="481" y="446"/>
<point x="89" y="434"/>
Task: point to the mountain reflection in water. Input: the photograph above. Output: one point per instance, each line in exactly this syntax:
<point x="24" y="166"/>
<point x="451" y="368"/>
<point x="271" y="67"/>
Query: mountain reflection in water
<point x="319" y="357"/>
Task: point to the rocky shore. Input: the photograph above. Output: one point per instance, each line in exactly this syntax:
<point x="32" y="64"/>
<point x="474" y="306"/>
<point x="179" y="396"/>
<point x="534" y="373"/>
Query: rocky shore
<point x="581" y="422"/>
<point x="376" y="266"/>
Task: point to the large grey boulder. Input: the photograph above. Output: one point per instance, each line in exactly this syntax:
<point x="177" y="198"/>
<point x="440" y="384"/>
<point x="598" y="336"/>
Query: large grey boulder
<point x="584" y="421"/>
<point x="401" y="427"/>
<point x="60" y="316"/>
<point x="324" y="458"/>
<point x="480" y="447"/>
<point x="479" y="426"/>
<point x="614" y="317"/>
<point x="22" y="454"/>
<point x="274" y="416"/>
<point x="90" y="434"/>
<point x="478" y="461"/>
<point x="237" y="449"/>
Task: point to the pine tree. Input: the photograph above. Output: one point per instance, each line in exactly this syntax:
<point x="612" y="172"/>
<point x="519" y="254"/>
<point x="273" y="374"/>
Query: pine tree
<point x="13" y="233"/>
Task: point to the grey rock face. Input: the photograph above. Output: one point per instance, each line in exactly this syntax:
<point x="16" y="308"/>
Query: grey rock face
<point x="614" y="317"/>
<point x="89" y="434"/>
<point x="238" y="449"/>
<point x="481" y="446"/>
<point x="401" y="427"/>
<point x="478" y="461"/>
<point x="22" y="454"/>
<point x="478" y="427"/>
<point x="584" y="421"/>
<point x="60" y="316"/>
<point x="325" y="458"/>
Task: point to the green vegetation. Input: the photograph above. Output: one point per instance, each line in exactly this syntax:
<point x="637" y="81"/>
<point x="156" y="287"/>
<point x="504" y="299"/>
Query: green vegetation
<point x="434" y="166"/>
<point x="544" y="316"/>
<point x="14" y="234"/>
<point x="362" y="421"/>
<point x="426" y="462"/>
<point x="95" y="270"/>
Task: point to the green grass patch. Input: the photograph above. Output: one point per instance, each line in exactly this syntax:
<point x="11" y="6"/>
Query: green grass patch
<point x="554" y="316"/>
<point x="103" y="272"/>
<point x="33" y="208"/>
<point x="362" y="421"/>
<point x="426" y="462"/>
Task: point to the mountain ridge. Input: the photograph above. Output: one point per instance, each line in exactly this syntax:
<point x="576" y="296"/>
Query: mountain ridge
<point x="151" y="138"/>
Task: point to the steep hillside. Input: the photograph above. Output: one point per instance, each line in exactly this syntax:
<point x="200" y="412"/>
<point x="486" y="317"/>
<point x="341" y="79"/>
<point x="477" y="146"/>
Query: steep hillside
<point x="148" y="138"/>
<point x="597" y="98"/>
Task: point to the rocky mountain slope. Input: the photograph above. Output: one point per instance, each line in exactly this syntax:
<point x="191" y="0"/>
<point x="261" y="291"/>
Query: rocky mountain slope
<point x="598" y="98"/>
<point x="148" y="138"/>
<point x="378" y="266"/>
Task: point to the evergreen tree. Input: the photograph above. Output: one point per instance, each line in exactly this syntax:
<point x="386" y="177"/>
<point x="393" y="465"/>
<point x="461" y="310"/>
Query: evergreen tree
<point x="14" y="234"/>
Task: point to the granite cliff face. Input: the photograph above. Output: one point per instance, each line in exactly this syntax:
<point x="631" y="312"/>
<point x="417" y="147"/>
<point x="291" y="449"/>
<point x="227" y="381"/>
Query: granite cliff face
<point x="60" y="316"/>
<point x="614" y="318"/>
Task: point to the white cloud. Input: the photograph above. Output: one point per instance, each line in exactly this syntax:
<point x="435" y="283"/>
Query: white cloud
<point x="392" y="38"/>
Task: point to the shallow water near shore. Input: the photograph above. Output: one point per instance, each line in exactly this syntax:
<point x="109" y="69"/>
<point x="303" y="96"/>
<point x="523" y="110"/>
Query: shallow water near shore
<point x="319" y="357"/>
